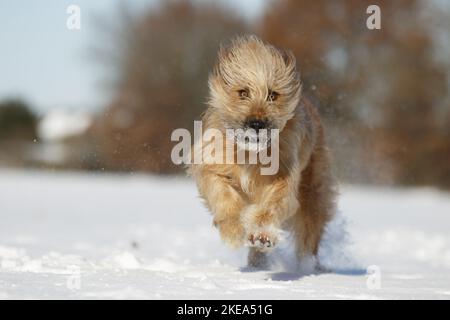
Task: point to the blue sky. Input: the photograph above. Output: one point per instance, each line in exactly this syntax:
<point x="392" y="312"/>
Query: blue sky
<point x="48" y="65"/>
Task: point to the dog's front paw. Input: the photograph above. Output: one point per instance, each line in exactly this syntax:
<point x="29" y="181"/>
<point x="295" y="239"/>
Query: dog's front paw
<point x="262" y="241"/>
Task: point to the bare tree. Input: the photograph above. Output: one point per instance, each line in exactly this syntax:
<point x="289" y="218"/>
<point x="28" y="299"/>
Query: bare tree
<point x="164" y="57"/>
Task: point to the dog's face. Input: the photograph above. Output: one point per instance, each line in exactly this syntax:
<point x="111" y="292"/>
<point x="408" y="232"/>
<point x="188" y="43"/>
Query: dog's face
<point x="254" y="86"/>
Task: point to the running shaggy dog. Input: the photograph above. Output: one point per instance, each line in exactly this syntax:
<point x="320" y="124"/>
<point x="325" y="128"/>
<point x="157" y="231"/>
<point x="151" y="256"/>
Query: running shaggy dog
<point x="257" y="86"/>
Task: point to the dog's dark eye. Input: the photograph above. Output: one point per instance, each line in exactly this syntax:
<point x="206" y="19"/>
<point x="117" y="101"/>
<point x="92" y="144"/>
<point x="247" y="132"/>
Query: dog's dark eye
<point x="243" y="94"/>
<point x="272" y="95"/>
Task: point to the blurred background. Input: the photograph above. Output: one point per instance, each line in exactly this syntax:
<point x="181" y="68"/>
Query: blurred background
<point x="106" y="97"/>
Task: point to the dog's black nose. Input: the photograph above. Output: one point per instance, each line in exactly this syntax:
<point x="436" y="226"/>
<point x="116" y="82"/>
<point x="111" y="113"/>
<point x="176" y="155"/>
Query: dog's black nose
<point x="256" y="124"/>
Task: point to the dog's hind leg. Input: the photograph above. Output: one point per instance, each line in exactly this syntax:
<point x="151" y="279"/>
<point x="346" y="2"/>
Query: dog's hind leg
<point x="257" y="259"/>
<point x="317" y="195"/>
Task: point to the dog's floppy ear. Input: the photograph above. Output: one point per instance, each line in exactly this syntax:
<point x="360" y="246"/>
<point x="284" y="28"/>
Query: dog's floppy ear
<point x="224" y="52"/>
<point x="222" y="56"/>
<point x="288" y="58"/>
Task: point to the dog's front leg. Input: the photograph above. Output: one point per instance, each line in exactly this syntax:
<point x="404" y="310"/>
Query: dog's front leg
<point x="262" y="220"/>
<point x="226" y="203"/>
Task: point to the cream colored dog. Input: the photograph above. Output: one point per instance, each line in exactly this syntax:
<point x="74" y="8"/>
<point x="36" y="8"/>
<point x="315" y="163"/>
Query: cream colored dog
<point x="254" y="85"/>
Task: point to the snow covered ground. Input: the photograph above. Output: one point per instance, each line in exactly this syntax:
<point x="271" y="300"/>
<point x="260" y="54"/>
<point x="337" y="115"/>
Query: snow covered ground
<point x="78" y="236"/>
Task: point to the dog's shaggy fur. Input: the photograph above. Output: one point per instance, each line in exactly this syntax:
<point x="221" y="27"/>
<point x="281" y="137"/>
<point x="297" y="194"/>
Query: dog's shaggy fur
<point x="254" y="80"/>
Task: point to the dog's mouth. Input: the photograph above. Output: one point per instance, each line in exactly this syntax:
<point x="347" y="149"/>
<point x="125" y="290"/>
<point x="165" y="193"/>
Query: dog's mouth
<point x="250" y="140"/>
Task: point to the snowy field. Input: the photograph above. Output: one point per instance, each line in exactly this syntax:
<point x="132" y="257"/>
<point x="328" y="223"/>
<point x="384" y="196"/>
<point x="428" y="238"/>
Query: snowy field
<point x="80" y="236"/>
